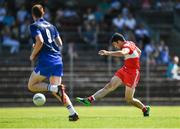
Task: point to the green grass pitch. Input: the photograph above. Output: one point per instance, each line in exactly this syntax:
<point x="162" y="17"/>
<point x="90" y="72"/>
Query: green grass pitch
<point x="90" y="117"/>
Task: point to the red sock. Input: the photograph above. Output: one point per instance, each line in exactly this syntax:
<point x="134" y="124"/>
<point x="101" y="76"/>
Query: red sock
<point x="144" y="109"/>
<point x="91" y="98"/>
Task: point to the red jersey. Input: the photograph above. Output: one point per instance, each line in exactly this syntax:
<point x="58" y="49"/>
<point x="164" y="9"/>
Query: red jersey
<point x="129" y="73"/>
<point x="131" y="60"/>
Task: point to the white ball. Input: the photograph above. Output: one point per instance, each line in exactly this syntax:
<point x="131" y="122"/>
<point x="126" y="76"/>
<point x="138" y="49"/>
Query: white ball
<point x="39" y="99"/>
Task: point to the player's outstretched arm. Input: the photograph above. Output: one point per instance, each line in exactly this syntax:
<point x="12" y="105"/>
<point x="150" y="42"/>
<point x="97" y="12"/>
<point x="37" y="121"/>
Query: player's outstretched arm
<point x="119" y="53"/>
<point x="37" y="47"/>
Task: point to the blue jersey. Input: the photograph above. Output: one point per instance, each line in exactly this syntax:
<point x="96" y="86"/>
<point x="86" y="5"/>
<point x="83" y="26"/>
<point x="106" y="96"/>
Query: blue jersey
<point x="50" y="54"/>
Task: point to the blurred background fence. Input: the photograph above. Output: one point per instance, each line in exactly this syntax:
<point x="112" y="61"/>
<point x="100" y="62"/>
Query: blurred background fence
<point x="156" y="28"/>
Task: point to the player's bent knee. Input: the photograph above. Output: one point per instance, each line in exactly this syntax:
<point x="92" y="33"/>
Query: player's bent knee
<point x="31" y="87"/>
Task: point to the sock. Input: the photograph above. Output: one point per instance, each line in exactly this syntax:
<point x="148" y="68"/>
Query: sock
<point x="71" y="109"/>
<point x="91" y="98"/>
<point x="53" y="88"/>
<point x="144" y="109"/>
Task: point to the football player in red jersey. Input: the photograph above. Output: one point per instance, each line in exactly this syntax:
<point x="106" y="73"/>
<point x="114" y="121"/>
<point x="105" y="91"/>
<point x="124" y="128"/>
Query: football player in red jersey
<point x="128" y="75"/>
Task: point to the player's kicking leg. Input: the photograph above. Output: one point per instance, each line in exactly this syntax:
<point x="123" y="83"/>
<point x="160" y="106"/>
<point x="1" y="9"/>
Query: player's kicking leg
<point x="129" y="97"/>
<point x="112" y="85"/>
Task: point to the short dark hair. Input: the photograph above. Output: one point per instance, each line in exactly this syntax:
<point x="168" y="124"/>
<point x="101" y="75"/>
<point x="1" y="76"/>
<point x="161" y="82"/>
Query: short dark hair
<point x="37" y="10"/>
<point x="117" y="36"/>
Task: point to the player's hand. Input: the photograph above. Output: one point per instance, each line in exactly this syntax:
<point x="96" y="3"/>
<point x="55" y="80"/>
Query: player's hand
<point x="32" y="58"/>
<point x="103" y="52"/>
<point x="33" y="45"/>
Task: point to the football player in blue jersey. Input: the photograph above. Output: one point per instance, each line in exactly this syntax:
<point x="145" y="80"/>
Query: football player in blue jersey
<point x="46" y="51"/>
